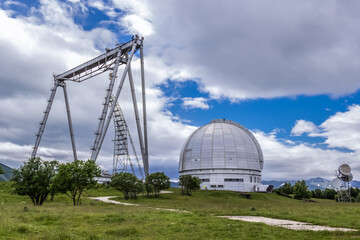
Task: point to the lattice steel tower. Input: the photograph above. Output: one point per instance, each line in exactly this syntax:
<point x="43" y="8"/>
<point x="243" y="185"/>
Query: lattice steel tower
<point x="109" y="61"/>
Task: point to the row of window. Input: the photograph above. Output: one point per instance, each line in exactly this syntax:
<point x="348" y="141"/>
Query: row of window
<point x="255" y="179"/>
<point x="252" y="179"/>
<point x="233" y="180"/>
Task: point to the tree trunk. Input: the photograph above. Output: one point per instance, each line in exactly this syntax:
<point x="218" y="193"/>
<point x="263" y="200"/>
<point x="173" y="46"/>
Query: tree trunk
<point x="78" y="199"/>
<point x="43" y="198"/>
<point x="37" y="200"/>
<point x="32" y="199"/>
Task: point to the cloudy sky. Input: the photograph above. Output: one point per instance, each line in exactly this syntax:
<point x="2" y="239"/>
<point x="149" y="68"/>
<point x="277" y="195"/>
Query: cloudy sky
<point x="287" y="70"/>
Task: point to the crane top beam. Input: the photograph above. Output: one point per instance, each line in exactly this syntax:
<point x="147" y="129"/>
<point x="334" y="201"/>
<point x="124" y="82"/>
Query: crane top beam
<point x="99" y="63"/>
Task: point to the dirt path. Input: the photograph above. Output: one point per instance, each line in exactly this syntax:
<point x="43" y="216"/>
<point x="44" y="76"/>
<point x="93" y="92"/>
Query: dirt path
<point x="107" y="200"/>
<point x="294" y="225"/>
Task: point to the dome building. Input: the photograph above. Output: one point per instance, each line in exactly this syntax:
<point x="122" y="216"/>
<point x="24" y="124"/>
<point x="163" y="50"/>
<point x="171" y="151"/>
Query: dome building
<point x="224" y="155"/>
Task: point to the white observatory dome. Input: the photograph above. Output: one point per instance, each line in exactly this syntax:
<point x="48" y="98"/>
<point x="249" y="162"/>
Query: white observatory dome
<point x="224" y="155"/>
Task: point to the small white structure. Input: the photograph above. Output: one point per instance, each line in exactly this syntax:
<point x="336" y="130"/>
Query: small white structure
<point x="225" y="156"/>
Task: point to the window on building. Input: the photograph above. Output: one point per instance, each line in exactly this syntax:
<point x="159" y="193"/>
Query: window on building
<point x="220" y="186"/>
<point x="233" y="180"/>
<point x="213" y="186"/>
<point x="205" y="180"/>
<point x="250" y="179"/>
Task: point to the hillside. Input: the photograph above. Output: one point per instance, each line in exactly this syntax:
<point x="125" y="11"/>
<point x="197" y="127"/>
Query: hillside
<point x="313" y="183"/>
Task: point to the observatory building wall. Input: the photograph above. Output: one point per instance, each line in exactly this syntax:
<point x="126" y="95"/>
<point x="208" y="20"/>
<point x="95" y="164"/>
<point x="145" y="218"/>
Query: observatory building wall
<point x="224" y="155"/>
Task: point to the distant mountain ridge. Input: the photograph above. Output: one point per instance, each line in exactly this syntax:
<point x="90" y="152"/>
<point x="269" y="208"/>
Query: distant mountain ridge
<point x="8" y="173"/>
<point x="312" y="183"/>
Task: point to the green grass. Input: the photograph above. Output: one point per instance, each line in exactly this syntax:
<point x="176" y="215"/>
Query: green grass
<point x="97" y="220"/>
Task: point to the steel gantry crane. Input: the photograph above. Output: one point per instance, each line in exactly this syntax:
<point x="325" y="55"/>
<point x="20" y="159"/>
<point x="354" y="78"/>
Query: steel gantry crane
<point x="122" y="54"/>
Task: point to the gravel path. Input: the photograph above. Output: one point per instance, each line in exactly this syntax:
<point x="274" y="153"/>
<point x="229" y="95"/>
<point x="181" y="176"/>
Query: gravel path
<point x="294" y="225"/>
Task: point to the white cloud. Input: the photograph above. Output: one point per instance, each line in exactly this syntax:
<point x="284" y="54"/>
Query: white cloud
<point x="342" y="129"/>
<point x="137" y="25"/>
<point x="11" y="2"/>
<point x="303" y="126"/>
<point x="301" y="161"/>
<point x="248" y="52"/>
<point x="192" y="103"/>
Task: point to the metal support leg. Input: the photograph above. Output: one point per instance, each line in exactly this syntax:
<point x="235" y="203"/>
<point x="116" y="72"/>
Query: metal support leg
<point x="137" y="118"/>
<point x="63" y="85"/>
<point x="43" y="122"/>
<point x="109" y="115"/>
<point x="146" y="154"/>
<point x="106" y="107"/>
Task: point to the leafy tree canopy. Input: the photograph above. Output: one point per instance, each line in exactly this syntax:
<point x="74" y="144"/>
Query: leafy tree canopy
<point x="34" y="179"/>
<point x="188" y="184"/>
<point x="128" y="184"/>
<point x="159" y="181"/>
<point x="286" y="188"/>
<point x="329" y="193"/>
<point x="76" y="177"/>
<point x="301" y="190"/>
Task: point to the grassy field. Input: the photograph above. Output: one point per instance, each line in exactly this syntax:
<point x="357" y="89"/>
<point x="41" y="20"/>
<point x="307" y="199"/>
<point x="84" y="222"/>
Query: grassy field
<point x="97" y="220"/>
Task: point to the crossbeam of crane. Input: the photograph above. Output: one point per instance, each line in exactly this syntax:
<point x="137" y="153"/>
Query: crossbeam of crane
<point x="99" y="64"/>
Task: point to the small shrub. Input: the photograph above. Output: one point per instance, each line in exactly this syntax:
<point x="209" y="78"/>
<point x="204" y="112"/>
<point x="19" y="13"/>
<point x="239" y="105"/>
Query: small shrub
<point x="22" y="229"/>
<point x="301" y="190"/>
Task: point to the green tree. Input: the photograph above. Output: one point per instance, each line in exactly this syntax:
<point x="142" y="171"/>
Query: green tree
<point x="301" y="190"/>
<point x="189" y="183"/>
<point x="1" y="170"/>
<point x="357" y="199"/>
<point x="128" y="184"/>
<point x="160" y="182"/>
<point x="317" y="193"/>
<point x="74" y="178"/>
<point x="354" y="192"/>
<point x="34" y="179"/>
<point x="329" y="193"/>
<point x="149" y="188"/>
<point x="286" y="188"/>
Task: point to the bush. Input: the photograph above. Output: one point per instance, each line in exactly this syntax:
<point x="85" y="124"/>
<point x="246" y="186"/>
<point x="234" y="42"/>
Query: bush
<point x="128" y="184"/>
<point x="301" y="190"/>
